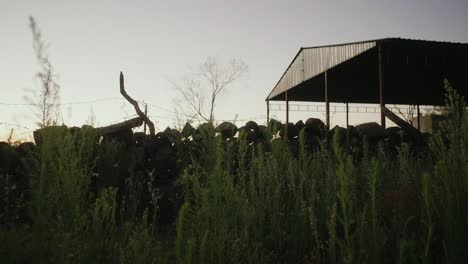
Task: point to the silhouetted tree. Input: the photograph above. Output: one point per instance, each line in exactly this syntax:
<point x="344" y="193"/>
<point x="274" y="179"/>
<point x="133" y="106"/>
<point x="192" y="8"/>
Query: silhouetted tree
<point x="200" y="90"/>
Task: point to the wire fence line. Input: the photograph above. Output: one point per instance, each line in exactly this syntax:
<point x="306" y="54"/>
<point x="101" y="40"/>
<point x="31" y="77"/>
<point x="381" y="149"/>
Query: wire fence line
<point x="361" y="108"/>
<point x="159" y="107"/>
<point x="13" y="125"/>
<point x="67" y="103"/>
<point x="253" y="118"/>
<point x="174" y="115"/>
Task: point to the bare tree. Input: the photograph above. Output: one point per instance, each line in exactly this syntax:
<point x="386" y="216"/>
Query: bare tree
<point x="46" y="101"/>
<point x="200" y="90"/>
<point x="408" y="115"/>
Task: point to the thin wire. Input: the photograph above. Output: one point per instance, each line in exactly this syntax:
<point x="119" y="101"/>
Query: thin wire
<point x="67" y="103"/>
<point x="22" y="133"/>
<point x="11" y="124"/>
<point x="163" y="117"/>
<point x="261" y="117"/>
<point x="172" y="112"/>
<point x="162" y="108"/>
<point x="123" y="119"/>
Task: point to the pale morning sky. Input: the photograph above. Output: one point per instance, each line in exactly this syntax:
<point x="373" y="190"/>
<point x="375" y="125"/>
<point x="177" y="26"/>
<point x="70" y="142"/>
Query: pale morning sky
<point x="154" y="42"/>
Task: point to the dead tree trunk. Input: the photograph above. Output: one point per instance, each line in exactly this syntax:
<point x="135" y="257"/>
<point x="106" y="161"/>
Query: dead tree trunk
<point x="128" y="124"/>
<point x="411" y="130"/>
<point x="135" y="105"/>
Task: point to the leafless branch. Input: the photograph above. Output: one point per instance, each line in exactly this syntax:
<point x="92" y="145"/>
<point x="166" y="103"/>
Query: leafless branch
<point x="408" y="117"/>
<point x="47" y="101"/>
<point x="135" y="105"/>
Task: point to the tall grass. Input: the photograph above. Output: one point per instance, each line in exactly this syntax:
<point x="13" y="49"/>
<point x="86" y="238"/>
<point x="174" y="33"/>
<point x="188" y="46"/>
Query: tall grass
<point x="450" y="180"/>
<point x="70" y="221"/>
<point x="280" y="201"/>
<point x="328" y="206"/>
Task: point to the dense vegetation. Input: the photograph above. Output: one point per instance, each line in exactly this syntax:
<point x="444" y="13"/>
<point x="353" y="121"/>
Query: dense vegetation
<point x="248" y="203"/>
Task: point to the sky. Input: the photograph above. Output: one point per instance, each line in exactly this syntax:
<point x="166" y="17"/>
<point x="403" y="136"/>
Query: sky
<point x="156" y="42"/>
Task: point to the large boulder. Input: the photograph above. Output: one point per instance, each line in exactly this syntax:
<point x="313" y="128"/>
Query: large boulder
<point x="248" y="134"/>
<point x="227" y="130"/>
<point x="299" y="125"/>
<point x="262" y="132"/>
<point x="395" y="136"/>
<point x="173" y="134"/>
<point x="289" y="130"/>
<point x="123" y="136"/>
<point x="25" y="153"/>
<point x="26" y="148"/>
<point x="187" y="130"/>
<point x="140" y="158"/>
<point x="6" y="156"/>
<point x="315" y="126"/>
<point x="161" y="153"/>
<point x="39" y="133"/>
<point x="372" y="131"/>
<point x="354" y="137"/>
<point x="274" y="126"/>
<point x="139" y="138"/>
<point x="252" y="125"/>
<point x="204" y="130"/>
<point x="337" y="135"/>
<point x="393" y="131"/>
<point x="74" y="131"/>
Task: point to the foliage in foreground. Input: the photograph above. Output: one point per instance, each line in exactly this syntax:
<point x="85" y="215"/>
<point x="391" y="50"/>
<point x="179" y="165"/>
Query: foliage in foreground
<point x="71" y="222"/>
<point x="259" y="203"/>
<point x="334" y="206"/>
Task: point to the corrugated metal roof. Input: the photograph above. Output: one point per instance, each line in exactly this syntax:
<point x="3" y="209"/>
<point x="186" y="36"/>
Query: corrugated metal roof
<point x="312" y="61"/>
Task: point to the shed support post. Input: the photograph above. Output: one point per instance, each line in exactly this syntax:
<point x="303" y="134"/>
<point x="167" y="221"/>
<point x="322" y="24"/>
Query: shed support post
<point x="268" y="111"/>
<point x="347" y="115"/>
<point x="146" y="114"/>
<point x="381" y="86"/>
<point x="287" y="107"/>
<point x="419" y="118"/>
<point x="327" y="103"/>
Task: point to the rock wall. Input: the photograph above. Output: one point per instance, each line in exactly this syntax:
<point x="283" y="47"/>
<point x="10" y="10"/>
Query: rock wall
<point x="152" y="164"/>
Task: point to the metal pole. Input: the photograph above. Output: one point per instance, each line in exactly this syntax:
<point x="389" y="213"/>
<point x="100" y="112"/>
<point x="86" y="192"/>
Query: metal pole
<point x="327" y="103"/>
<point x="381" y="86"/>
<point x="268" y="111"/>
<point x="146" y="114"/>
<point x="419" y="118"/>
<point x="287" y="107"/>
<point x="347" y="115"/>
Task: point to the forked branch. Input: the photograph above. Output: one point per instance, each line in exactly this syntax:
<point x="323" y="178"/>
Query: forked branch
<point x="135" y="105"/>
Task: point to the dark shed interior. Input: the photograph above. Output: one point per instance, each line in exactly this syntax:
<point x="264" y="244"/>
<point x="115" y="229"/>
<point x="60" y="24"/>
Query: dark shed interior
<point x="413" y="72"/>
